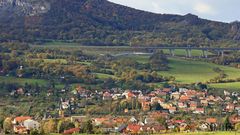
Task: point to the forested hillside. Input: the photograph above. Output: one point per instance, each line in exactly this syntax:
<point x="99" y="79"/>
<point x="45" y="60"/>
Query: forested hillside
<point x="100" y="22"/>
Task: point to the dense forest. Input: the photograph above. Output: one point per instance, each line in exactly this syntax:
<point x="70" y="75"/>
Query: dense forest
<point x="100" y="22"/>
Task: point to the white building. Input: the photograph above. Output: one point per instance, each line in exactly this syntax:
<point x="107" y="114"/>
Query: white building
<point x="31" y="124"/>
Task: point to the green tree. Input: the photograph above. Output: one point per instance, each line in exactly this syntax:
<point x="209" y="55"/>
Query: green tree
<point x="158" y="61"/>
<point x="227" y="125"/>
<point x="237" y="127"/>
<point x="7" y="126"/>
<point x="88" y="127"/>
<point x="64" y="125"/>
<point x="50" y="126"/>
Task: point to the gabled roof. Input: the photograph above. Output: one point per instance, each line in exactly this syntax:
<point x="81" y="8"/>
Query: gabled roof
<point x="133" y="127"/>
<point x="211" y="120"/>
<point x="22" y="118"/>
<point x="71" y="131"/>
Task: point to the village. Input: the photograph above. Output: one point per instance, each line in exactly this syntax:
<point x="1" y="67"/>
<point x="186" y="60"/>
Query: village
<point x="162" y="110"/>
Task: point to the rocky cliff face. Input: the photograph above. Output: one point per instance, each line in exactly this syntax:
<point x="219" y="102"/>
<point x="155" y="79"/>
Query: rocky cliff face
<point x="24" y="7"/>
<point x="235" y="30"/>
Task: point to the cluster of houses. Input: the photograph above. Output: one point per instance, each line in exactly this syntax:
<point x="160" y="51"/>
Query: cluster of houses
<point x="24" y="124"/>
<point x="171" y="102"/>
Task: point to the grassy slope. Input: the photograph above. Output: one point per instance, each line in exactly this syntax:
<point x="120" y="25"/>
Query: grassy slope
<point x="232" y="86"/>
<point x="100" y="49"/>
<point x="185" y="71"/>
<point x="21" y="80"/>
<point x="188" y="71"/>
<point x="182" y="52"/>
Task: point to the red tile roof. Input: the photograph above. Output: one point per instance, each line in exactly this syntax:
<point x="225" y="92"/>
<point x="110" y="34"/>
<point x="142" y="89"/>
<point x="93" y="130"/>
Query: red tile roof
<point x="211" y="120"/>
<point x="133" y="128"/>
<point x="22" y="118"/>
<point x="71" y="131"/>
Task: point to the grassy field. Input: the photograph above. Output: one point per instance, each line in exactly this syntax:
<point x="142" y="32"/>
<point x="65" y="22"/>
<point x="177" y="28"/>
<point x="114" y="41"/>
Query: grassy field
<point x="182" y="52"/>
<point x="104" y="76"/>
<point x="103" y="49"/>
<point x="62" y="61"/>
<point x="189" y="71"/>
<point x="21" y="80"/>
<point x="232" y="86"/>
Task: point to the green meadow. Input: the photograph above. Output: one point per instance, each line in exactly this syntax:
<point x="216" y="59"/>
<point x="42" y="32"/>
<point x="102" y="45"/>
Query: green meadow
<point x="22" y="81"/>
<point x="232" y="86"/>
<point x="190" y="71"/>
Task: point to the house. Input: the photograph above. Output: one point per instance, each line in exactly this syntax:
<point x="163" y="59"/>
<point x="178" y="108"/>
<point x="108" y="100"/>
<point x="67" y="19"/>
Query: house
<point x="133" y="128"/>
<point x="204" y="102"/>
<point x="129" y="95"/>
<point x="175" y="95"/>
<point x="193" y="105"/>
<point x="120" y="120"/>
<point x="20" y="91"/>
<point x="211" y="120"/>
<point x="191" y="93"/>
<point x="146" y="106"/>
<point x="226" y="93"/>
<point x="227" y="98"/>
<point x="219" y="99"/>
<point x="178" y="121"/>
<point x="199" y="111"/>
<point x="79" y="119"/>
<point x="157" y="114"/>
<point x="31" y="124"/>
<point x="71" y="131"/>
<point x="107" y="96"/>
<point x="156" y="100"/>
<point x="65" y="105"/>
<point x="182" y="105"/>
<point x="20" y="120"/>
<point x="183" y="127"/>
<point x="20" y="129"/>
<point x="150" y="120"/>
<point x="159" y="129"/>
<point x="133" y="120"/>
<point x="117" y="96"/>
<point x="172" y="110"/>
<point x="211" y="98"/>
<point x="184" y="98"/>
<point x="100" y="121"/>
<point x="183" y="90"/>
<point x="167" y="90"/>
<point x="146" y="129"/>
<point x="201" y="94"/>
<point x="203" y="126"/>
<point x="234" y="119"/>
<point x="230" y="107"/>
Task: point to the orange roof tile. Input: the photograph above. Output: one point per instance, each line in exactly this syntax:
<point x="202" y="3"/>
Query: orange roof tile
<point x="211" y="120"/>
<point x="22" y="118"/>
